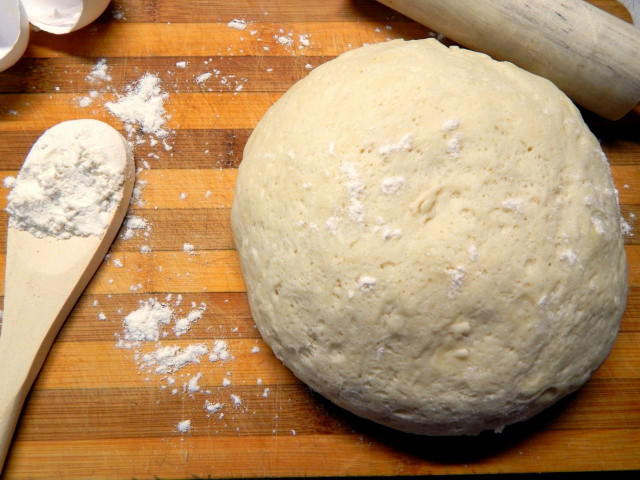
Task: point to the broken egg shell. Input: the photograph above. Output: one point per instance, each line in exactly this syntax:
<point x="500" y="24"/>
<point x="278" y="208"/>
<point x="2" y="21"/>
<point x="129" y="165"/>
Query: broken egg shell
<point x="14" y="32"/>
<point x="63" y="16"/>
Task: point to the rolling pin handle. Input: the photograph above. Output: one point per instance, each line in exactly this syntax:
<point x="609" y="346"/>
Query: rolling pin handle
<point x="594" y="57"/>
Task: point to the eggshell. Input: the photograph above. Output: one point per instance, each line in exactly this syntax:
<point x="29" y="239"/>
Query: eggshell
<point x="63" y="16"/>
<point x="14" y="32"/>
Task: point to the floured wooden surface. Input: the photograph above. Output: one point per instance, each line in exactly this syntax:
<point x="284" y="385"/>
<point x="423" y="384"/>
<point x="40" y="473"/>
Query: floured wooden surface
<point x="94" y="412"/>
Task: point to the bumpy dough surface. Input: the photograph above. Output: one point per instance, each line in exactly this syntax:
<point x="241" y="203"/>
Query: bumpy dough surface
<point x="431" y="239"/>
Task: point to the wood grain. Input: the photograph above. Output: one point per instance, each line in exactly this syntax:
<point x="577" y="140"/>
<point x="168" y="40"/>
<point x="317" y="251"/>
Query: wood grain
<point x="94" y="414"/>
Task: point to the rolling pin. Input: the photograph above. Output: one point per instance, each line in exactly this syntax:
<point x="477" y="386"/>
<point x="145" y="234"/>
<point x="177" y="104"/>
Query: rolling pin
<point x="594" y="57"/>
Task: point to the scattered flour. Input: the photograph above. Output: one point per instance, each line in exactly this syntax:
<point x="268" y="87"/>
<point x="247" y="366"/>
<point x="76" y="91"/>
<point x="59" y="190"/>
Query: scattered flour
<point x="304" y="39"/>
<point x="405" y="143"/>
<point x="454" y="146"/>
<point x="144" y="324"/>
<point x="184" y="426"/>
<point x="391" y="185"/>
<point x="200" y="79"/>
<point x="132" y="224"/>
<point x="283" y="40"/>
<point x="626" y="227"/>
<point x="182" y="325"/>
<point x="182" y="64"/>
<point x="237" y="24"/>
<point x="220" y="351"/>
<point x="366" y="283"/>
<point x="355" y="188"/>
<point x="332" y="225"/>
<point x="513" y="204"/>
<point x="388" y="233"/>
<point x="597" y="224"/>
<point x="84" y="102"/>
<point x="99" y="72"/>
<point x="569" y="256"/>
<point x="9" y="182"/>
<point x="192" y="384"/>
<point x="450" y="124"/>
<point x="212" y="407"/>
<point x="170" y="359"/>
<point x="456" y="276"/>
<point x="142" y="107"/>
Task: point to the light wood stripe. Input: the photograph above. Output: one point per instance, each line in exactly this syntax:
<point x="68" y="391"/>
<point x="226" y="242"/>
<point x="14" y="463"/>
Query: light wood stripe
<point x="216" y="39"/>
<point x="208" y="271"/>
<point x="217" y="110"/>
<point x="369" y="450"/>
<point x="227" y="315"/>
<point x="175" y="272"/>
<point x="76" y="365"/>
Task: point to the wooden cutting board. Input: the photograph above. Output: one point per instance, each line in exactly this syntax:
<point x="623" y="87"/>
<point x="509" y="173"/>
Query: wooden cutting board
<point x="93" y="414"/>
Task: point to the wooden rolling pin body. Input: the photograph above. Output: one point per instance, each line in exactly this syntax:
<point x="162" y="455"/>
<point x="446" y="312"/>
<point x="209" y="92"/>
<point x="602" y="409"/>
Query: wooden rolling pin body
<point x="592" y="56"/>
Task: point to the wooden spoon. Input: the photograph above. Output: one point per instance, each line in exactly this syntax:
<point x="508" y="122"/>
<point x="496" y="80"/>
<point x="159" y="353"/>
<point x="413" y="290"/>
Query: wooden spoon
<point x="43" y="279"/>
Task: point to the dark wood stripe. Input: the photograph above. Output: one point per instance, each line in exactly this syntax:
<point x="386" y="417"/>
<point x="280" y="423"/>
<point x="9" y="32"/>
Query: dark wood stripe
<point x="202" y="149"/>
<point x="68" y="74"/>
<point x="216" y="148"/>
<point x="201" y="11"/>
<point x="281" y="11"/>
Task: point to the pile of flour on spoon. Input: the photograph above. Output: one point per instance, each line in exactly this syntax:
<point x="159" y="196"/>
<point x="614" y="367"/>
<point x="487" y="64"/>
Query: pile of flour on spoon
<point x="70" y="182"/>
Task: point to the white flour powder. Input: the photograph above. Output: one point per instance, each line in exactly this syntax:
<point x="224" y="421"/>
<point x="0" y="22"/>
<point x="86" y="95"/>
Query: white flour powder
<point x="142" y="106"/>
<point x="184" y="426"/>
<point x="99" y="72"/>
<point x="145" y="322"/>
<point x="183" y="325"/>
<point x="70" y="182"/>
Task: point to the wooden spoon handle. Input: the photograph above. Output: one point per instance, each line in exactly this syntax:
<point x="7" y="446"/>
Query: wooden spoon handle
<point x="15" y="388"/>
<point x="43" y="280"/>
<point x="589" y="54"/>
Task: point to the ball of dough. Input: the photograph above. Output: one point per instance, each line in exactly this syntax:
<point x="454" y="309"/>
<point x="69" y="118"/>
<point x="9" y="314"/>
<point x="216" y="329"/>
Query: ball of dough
<point x="431" y="239"/>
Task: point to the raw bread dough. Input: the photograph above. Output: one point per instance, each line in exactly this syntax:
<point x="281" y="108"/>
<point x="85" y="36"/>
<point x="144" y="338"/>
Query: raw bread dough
<point x="431" y="239"/>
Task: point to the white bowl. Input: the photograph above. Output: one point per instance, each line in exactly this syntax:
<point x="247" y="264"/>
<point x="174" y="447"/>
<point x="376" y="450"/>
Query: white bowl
<point x="63" y="16"/>
<point x="14" y="32"/>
